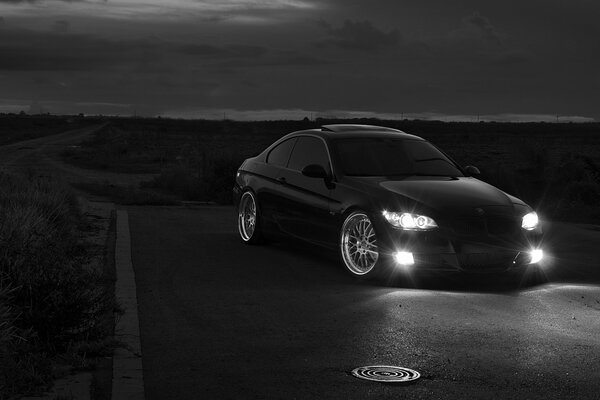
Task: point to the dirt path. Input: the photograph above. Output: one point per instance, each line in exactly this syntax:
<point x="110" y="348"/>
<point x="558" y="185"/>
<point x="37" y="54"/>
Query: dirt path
<point x="42" y="156"/>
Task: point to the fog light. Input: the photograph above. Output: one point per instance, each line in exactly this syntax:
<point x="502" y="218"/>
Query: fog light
<point x="536" y="256"/>
<point x="404" y="258"/>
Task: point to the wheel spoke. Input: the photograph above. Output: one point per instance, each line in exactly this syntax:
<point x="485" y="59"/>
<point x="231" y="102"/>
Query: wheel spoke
<point x="358" y="241"/>
<point x="247" y="216"/>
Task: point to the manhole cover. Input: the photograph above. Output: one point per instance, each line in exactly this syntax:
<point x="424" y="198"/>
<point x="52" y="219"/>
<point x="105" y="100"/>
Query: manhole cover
<point x="386" y="373"/>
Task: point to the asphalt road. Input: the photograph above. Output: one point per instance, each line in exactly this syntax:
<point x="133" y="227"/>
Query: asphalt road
<point x="220" y="319"/>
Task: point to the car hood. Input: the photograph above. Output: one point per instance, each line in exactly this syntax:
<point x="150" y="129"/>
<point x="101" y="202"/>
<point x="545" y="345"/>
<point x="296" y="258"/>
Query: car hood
<point x="456" y="195"/>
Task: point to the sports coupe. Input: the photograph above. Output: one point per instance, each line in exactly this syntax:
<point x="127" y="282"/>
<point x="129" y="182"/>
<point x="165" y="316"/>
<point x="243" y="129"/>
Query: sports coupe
<point x="386" y="200"/>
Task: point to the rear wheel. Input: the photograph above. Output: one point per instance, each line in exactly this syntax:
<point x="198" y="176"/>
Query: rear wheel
<point x="358" y="245"/>
<point x="248" y="219"/>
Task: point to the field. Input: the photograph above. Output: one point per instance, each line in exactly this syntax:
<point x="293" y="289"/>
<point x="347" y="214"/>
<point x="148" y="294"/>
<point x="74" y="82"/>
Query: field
<point x="554" y="167"/>
<point x="15" y="128"/>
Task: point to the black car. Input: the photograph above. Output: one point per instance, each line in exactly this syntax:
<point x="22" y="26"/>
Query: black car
<point x="385" y="199"/>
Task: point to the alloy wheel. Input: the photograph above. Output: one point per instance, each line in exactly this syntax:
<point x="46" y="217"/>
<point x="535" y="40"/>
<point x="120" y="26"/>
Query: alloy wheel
<point x="247" y="217"/>
<point x="358" y="244"/>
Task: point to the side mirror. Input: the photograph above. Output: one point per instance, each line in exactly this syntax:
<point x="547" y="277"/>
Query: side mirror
<point x="471" y="170"/>
<point x="314" y="171"/>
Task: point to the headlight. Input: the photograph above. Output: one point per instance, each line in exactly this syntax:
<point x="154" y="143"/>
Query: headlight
<point x="536" y="255"/>
<point x="530" y="221"/>
<point x="409" y="221"/>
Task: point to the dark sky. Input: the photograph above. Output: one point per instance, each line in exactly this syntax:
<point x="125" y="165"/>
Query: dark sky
<point x="502" y="60"/>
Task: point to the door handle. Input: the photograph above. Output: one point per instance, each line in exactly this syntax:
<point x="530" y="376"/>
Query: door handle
<point x="282" y="179"/>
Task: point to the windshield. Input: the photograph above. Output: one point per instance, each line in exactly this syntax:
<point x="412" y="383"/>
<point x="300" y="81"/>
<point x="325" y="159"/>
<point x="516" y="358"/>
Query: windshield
<point x="392" y="157"/>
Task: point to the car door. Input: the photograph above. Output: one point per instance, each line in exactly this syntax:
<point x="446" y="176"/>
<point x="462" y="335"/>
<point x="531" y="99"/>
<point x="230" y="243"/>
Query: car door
<point x="270" y="196"/>
<point x="304" y="206"/>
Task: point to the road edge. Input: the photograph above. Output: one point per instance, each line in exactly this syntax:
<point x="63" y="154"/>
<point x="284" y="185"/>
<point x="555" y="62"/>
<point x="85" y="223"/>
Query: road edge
<point x="128" y="376"/>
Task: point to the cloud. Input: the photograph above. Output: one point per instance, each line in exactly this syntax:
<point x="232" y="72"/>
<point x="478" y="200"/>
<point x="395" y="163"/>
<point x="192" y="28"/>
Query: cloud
<point x="477" y="43"/>
<point x="273" y="62"/>
<point x="211" y="52"/>
<point x="38" y="1"/>
<point x="27" y="50"/>
<point x="202" y="50"/>
<point x="60" y="50"/>
<point x="442" y="57"/>
<point x="61" y="26"/>
<point x="479" y="27"/>
<point x="291" y="57"/>
<point x="207" y="10"/>
<point x="246" y="50"/>
<point x="358" y="35"/>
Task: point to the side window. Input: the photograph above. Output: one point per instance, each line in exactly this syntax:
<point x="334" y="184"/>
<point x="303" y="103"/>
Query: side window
<point x="309" y="150"/>
<point x="281" y="153"/>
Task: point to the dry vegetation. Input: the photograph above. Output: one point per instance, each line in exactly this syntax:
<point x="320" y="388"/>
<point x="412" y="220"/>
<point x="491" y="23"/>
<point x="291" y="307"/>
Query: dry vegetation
<point x="15" y="128"/>
<point x="51" y="306"/>
<point x="555" y="167"/>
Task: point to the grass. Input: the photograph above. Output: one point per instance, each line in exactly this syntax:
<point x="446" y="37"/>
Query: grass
<point x="554" y="167"/>
<point x="561" y="182"/>
<point x="50" y="303"/>
<point x="128" y="195"/>
<point x="114" y="150"/>
<point x="15" y="128"/>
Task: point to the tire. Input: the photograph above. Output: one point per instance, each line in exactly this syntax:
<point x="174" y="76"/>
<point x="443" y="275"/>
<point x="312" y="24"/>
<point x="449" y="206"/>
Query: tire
<point x="358" y="246"/>
<point x="249" y="219"/>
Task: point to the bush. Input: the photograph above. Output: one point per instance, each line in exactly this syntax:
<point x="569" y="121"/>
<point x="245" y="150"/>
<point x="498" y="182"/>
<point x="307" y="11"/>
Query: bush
<point x="7" y="329"/>
<point x="126" y="194"/>
<point x="502" y="178"/>
<point x="220" y="178"/>
<point x="53" y="300"/>
<point x="582" y="193"/>
<point x="178" y="180"/>
<point x="535" y="154"/>
<point x="210" y="178"/>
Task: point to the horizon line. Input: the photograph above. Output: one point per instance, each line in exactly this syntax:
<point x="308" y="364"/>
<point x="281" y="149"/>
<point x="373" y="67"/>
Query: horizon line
<point x="556" y="120"/>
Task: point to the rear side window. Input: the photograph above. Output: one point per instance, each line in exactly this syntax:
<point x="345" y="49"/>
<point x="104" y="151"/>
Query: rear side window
<point x="309" y="150"/>
<point x="281" y="153"/>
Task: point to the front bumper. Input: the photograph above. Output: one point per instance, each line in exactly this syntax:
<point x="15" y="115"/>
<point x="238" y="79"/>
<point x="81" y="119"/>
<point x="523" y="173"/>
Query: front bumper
<point x="445" y="250"/>
<point x="484" y="262"/>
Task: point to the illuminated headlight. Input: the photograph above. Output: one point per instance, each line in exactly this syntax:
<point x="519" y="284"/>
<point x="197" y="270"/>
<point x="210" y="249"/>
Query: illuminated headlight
<point x="404" y="258"/>
<point x="409" y="221"/>
<point x="536" y="256"/>
<point x="530" y="221"/>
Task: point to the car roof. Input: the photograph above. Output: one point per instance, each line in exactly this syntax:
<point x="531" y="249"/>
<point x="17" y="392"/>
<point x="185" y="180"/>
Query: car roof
<point x="356" y="131"/>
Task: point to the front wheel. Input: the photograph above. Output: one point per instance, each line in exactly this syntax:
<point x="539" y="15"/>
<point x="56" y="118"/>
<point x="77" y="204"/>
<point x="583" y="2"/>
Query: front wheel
<point x="358" y="245"/>
<point x="248" y="219"/>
